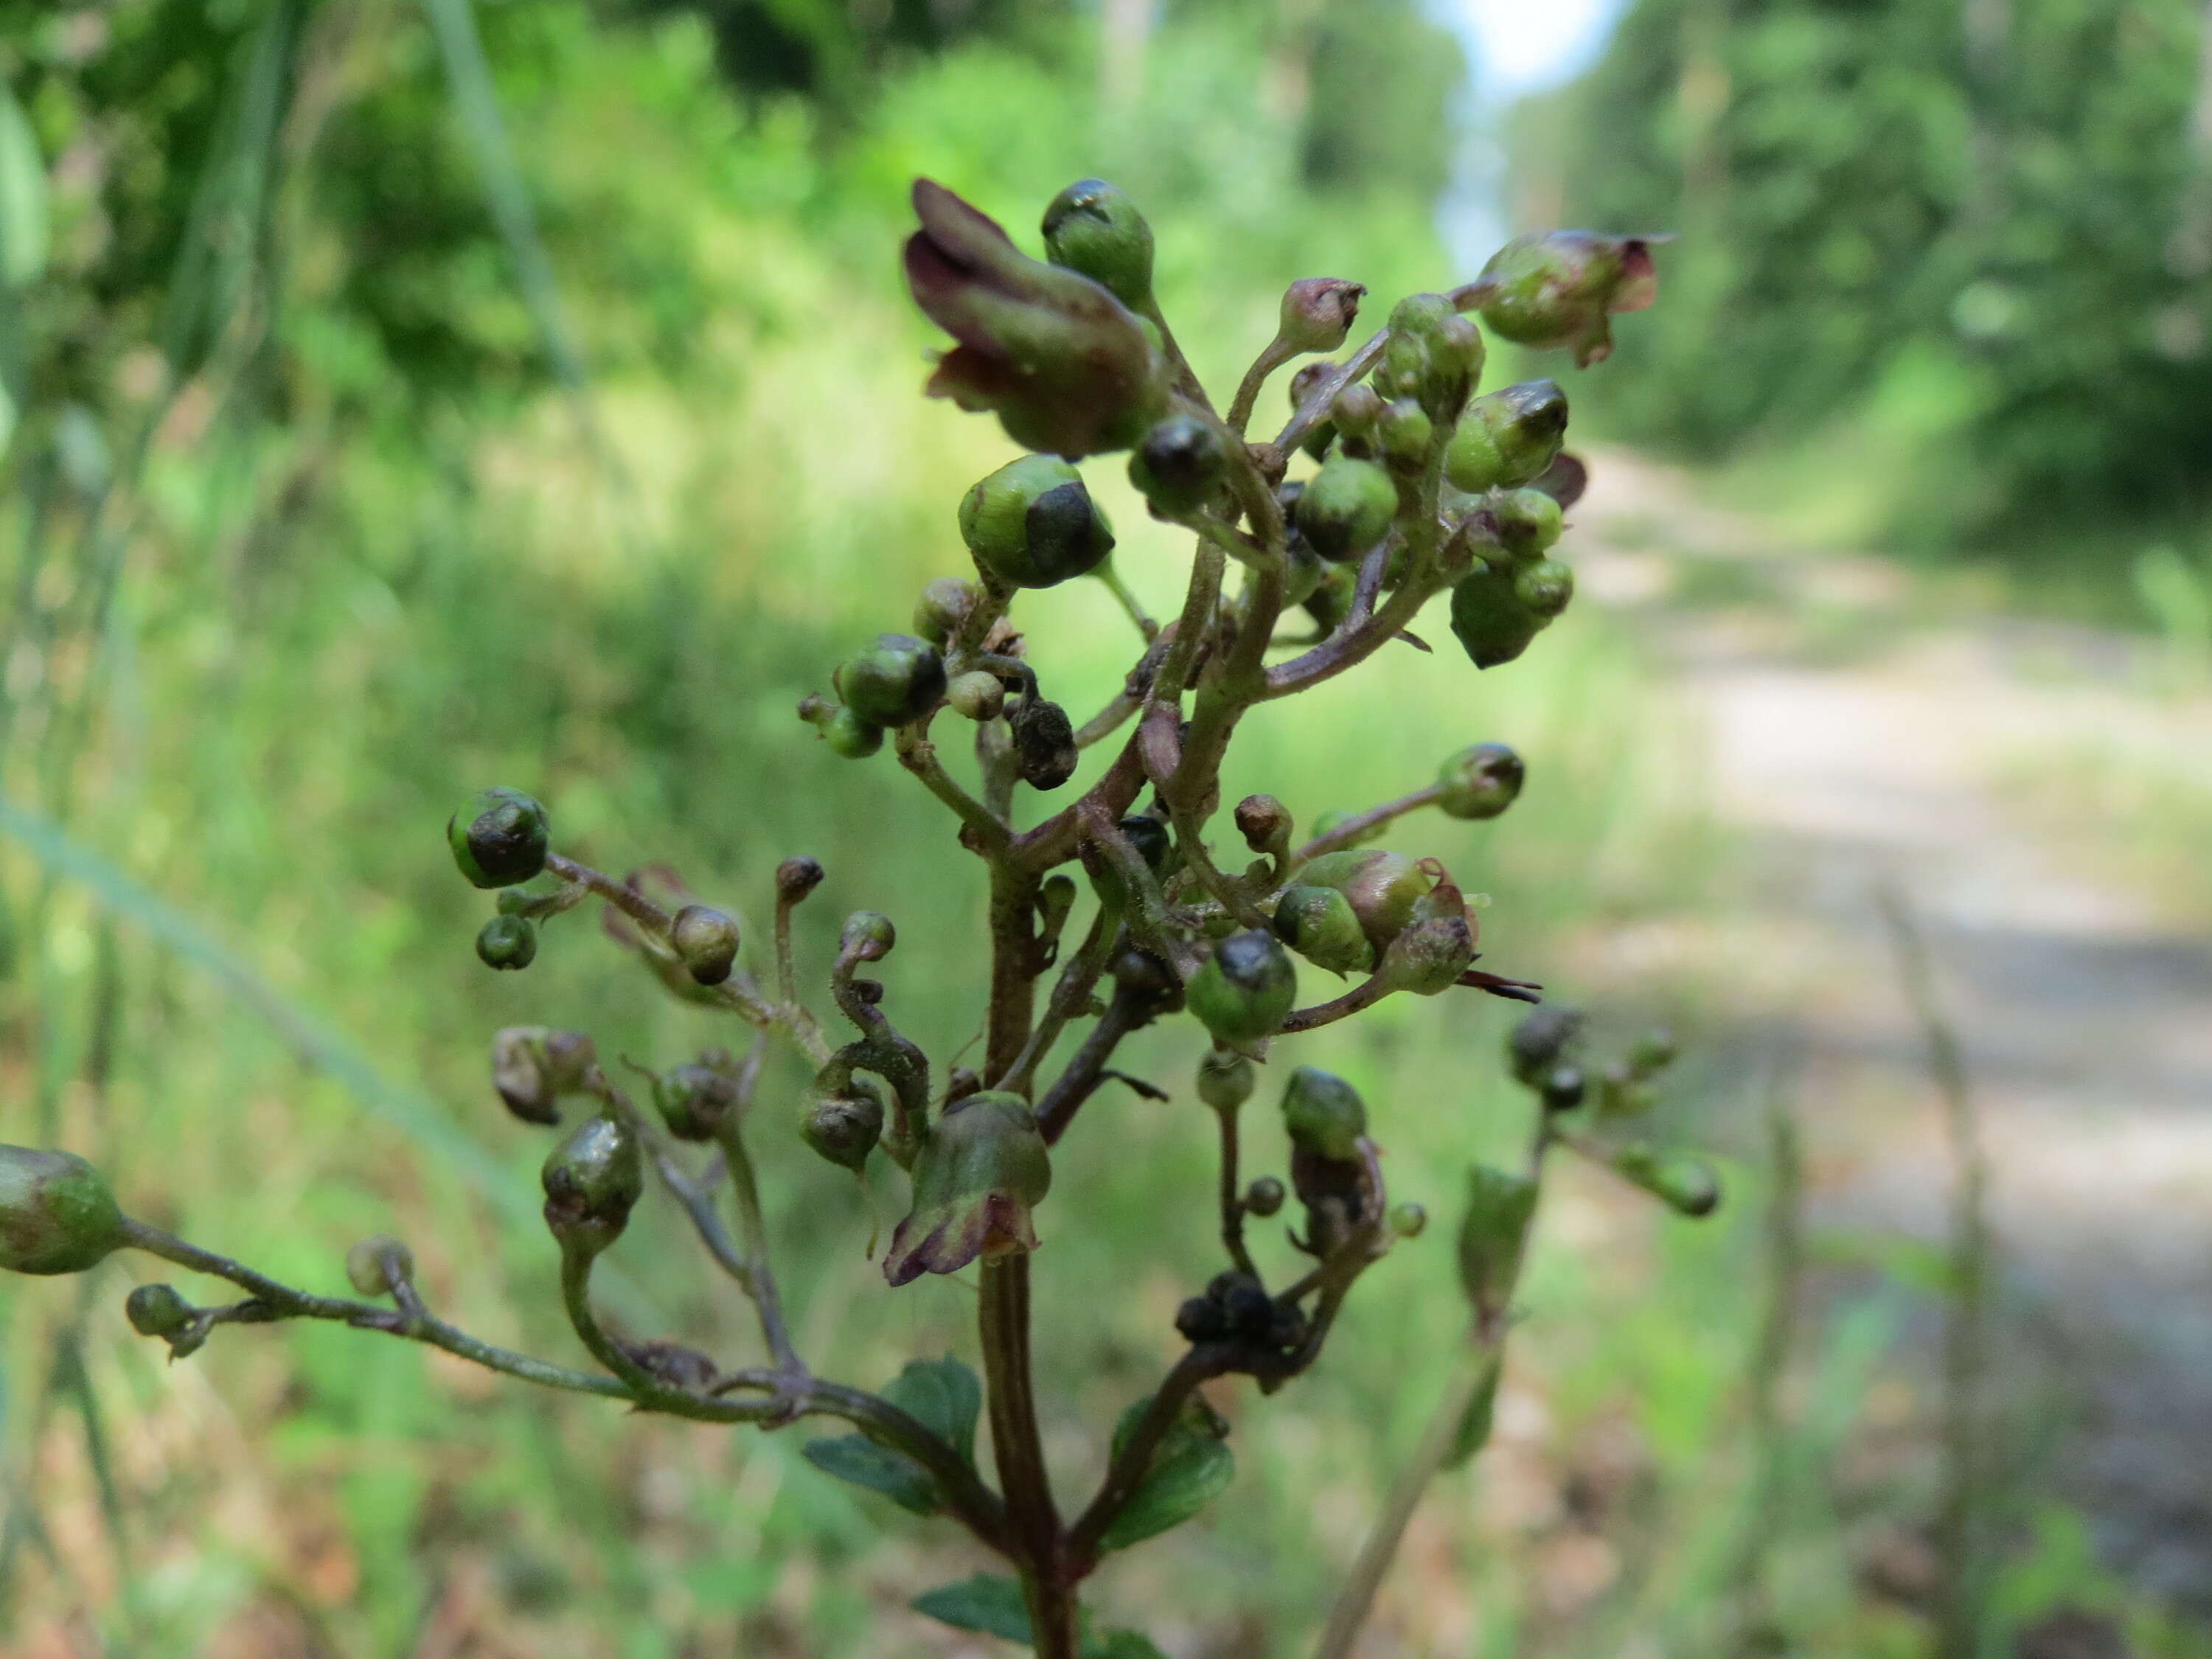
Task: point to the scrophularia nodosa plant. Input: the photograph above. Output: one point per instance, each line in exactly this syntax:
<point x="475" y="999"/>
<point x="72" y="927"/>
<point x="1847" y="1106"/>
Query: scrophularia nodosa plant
<point x="1114" y="903"/>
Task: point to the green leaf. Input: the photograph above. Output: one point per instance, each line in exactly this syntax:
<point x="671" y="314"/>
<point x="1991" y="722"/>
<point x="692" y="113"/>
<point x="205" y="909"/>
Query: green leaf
<point x="1121" y="1644"/>
<point x="944" y="1396"/>
<point x="1192" y="1466"/>
<point x="23" y="196"/>
<point x="1474" y="1426"/>
<point x="985" y="1602"/>
<point x="860" y="1460"/>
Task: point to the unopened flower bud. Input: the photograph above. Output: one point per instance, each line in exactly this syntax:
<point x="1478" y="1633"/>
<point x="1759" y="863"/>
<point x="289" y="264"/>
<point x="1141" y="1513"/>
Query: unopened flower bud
<point x="1409" y="1219"/>
<point x="1044" y="743"/>
<point x="1225" y="1081"/>
<point x="1562" y="1089"/>
<point x="1433" y="354"/>
<point x="1346" y="507"/>
<point x="498" y="837"/>
<point x="1508" y="438"/>
<point x="1067" y="367"/>
<point x="1488" y="618"/>
<point x="1264" y="822"/>
<point x="981" y="1171"/>
<point x="897" y="679"/>
<point x="1264" y="1197"/>
<point x="1180" y="464"/>
<point x="1561" y="289"/>
<point x="374" y="1264"/>
<point x="1320" y="925"/>
<point x="592" y="1180"/>
<point x="977" y="696"/>
<point x="1479" y="782"/>
<point x="1546" y="587"/>
<point x="851" y="737"/>
<point x="942" y="606"/>
<point x="795" y="878"/>
<point x="1357" y="410"/>
<point x="507" y="941"/>
<point x="57" y="1214"/>
<point x="1403" y="435"/>
<point x="1493" y="1235"/>
<point x="1324" y="1114"/>
<point x="1147" y="980"/>
<point x="1244" y="990"/>
<point x="159" y="1310"/>
<point x="706" y="940"/>
<point x="845" y="1126"/>
<point x="866" y="936"/>
<point x="1033" y="524"/>
<point x="1528" y="522"/>
<point x="1318" y="313"/>
<point x="1094" y="228"/>
<point x="1684" y="1184"/>
<point x="692" y="1099"/>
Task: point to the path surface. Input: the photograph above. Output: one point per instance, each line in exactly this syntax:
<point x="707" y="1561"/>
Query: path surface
<point x="1848" y="742"/>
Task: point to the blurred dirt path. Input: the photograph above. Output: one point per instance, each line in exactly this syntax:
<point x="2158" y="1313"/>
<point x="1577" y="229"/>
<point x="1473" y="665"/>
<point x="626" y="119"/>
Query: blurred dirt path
<point x="1852" y="733"/>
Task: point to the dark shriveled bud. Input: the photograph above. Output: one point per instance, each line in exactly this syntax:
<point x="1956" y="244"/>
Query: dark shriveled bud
<point x="979" y="1173"/>
<point x="57" y="1214"/>
<point x="508" y="942"/>
<point x="1044" y="743"/>
<point x="1264" y="822"/>
<point x="1561" y="289"/>
<point x="844" y="1126"/>
<point x="1033" y="524"/>
<point x="1068" y="368"/>
<point x="1094" y="228"/>
<point x="795" y="878"/>
<point x="593" y="1181"/>
<point x="1541" y="1041"/>
<point x="1150" y="839"/>
<point x="499" y="838"/>
<point x="1479" y="782"/>
<point x="1562" y="1089"/>
<point x="1243" y="991"/>
<point x="1264" y="1197"/>
<point x="1318" y="313"/>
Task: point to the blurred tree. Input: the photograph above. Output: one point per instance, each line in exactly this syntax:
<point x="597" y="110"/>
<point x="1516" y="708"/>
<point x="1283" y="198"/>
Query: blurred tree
<point x="1988" y="201"/>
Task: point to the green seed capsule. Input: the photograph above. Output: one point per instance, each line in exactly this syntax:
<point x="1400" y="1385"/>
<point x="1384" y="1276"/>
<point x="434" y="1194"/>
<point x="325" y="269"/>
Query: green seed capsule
<point x="508" y="942"/>
<point x="1094" y="228"/>
<point x="897" y="679"/>
<point x="1385" y="891"/>
<point x="706" y="940"/>
<point x="1479" y="782"/>
<point x="1032" y="523"/>
<point x="1324" y="1114"/>
<point x="1318" y="313"/>
<point x="1180" y="464"/>
<point x="1242" y="991"/>
<point x="1509" y="438"/>
<point x="57" y="1214"/>
<point x="1403" y="435"/>
<point x="1346" y="507"/>
<point x="593" y="1181"/>
<point x="499" y="838"/>
<point x="1546" y="588"/>
<point x="850" y="736"/>
<point x="1430" y="955"/>
<point x="1528" y="522"/>
<point x="692" y="1099"/>
<point x="1492" y="624"/>
<point x="1561" y="289"/>
<point x="1408" y="1220"/>
<point x="158" y="1310"/>
<point x="1318" y="923"/>
<point x="977" y="696"/>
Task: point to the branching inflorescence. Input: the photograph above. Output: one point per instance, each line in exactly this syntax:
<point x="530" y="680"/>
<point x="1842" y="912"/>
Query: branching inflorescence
<point x="1422" y="489"/>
